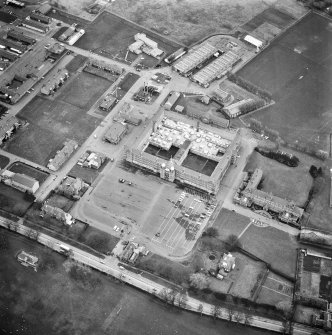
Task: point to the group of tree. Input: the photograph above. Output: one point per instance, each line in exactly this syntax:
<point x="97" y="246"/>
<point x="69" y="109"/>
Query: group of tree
<point x="250" y="87"/>
<point x="199" y="281"/>
<point x="283" y="158"/>
<point x="233" y="242"/>
<point x="315" y="172"/>
<point x="251" y="106"/>
<point x="211" y="232"/>
<point x="257" y="126"/>
<point x="320" y="5"/>
<point x="173" y="297"/>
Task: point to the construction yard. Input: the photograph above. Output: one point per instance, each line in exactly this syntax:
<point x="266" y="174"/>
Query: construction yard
<point x="297" y="69"/>
<point x="50" y="121"/>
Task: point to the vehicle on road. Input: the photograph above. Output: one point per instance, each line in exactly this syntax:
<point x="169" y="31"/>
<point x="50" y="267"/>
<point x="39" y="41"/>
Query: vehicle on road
<point x="121" y="180"/>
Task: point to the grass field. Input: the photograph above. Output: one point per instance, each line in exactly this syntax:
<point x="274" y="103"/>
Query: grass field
<point x="86" y="174"/>
<point x="52" y="122"/>
<point x="229" y="223"/>
<point x="114" y="34"/>
<point x="28" y="170"/>
<point x="14" y="201"/>
<point x="293" y="183"/>
<point x="271" y="15"/>
<point x="297" y="69"/>
<point x="4" y="161"/>
<point x="272" y="246"/>
<point x="319" y="207"/>
<point x="76" y="63"/>
<point x="190" y="20"/>
<point x="54" y="301"/>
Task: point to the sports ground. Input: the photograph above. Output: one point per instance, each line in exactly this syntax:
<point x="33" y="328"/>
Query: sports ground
<point x="297" y="69"/>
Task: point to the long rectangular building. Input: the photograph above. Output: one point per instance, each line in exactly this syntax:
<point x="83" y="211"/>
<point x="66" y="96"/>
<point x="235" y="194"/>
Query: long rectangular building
<point x="57" y="79"/>
<point x="8" y="55"/>
<point x="216" y="69"/>
<point x="19" y="36"/>
<point x="35" y="25"/>
<point x="193" y="59"/>
<point x="62" y="156"/>
<point x="5" y="43"/>
<point x="40" y="18"/>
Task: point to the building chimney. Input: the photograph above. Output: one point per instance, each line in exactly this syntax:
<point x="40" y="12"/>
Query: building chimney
<point x="197" y="129"/>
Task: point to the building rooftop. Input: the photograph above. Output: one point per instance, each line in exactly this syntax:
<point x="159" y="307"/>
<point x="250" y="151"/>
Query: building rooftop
<point x="27" y="258"/>
<point x="62" y="155"/>
<point x="195" y="57"/>
<point x="216" y="68"/>
<point x="24" y="180"/>
<point x="59" y="75"/>
<point x="171" y="132"/>
<point x="115" y="131"/>
<point x="12" y="44"/>
<point x="20" y="36"/>
<point x="6" y="124"/>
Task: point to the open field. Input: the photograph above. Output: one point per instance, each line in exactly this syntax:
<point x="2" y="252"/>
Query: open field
<point x="14" y="201"/>
<point x="296" y="69"/>
<point x="113" y="34"/>
<point x="88" y="175"/>
<point x="272" y="246"/>
<point x="275" y="289"/>
<point x="3" y="161"/>
<point x="272" y="16"/>
<point x="190" y="20"/>
<point x="84" y="91"/>
<point x="76" y="63"/>
<point x="319" y="207"/>
<point x="51" y="122"/>
<point x="30" y="171"/>
<point x="230" y="223"/>
<point x="53" y="301"/>
<point x="293" y="183"/>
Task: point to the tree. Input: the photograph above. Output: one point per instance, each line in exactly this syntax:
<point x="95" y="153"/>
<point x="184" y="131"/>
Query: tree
<point x="216" y="312"/>
<point x="33" y="234"/>
<point x="182" y="301"/>
<point x="199" y="281"/>
<point x="4" y="244"/>
<point x="285" y="307"/>
<point x="233" y="242"/>
<point x="13" y="226"/>
<point x="237" y="317"/>
<point x="200" y="309"/>
<point x="256" y="125"/>
<point x="247" y="319"/>
<point x="230" y="313"/>
<point x="211" y="232"/>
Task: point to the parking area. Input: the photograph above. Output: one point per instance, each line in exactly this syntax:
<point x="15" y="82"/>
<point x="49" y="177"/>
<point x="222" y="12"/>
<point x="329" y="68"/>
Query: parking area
<point x="184" y="222"/>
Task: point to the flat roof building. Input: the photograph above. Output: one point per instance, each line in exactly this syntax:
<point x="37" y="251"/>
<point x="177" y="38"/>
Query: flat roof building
<point x="62" y="155"/>
<point x="194" y="58"/>
<point x="172" y="99"/>
<point x="192" y="154"/>
<point x="115" y="133"/>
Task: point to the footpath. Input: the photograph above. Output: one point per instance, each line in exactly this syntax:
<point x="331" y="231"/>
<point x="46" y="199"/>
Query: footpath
<point x="110" y="267"/>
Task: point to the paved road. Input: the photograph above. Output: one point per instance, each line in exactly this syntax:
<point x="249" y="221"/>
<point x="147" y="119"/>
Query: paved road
<point x="109" y="265"/>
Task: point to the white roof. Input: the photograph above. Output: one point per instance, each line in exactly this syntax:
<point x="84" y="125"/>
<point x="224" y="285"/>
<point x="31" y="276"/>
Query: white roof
<point x="254" y="41"/>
